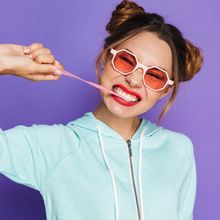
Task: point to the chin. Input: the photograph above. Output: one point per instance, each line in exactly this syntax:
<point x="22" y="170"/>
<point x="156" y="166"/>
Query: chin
<point x="121" y="111"/>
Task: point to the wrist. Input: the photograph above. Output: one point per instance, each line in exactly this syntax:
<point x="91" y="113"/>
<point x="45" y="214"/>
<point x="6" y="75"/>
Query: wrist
<point x="2" y="67"/>
<point x="3" y="50"/>
<point x="6" y="66"/>
<point x="7" y="58"/>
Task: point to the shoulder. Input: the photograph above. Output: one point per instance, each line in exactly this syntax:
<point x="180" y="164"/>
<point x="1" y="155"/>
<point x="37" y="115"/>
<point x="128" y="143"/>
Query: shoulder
<point x="41" y="131"/>
<point x="180" y="142"/>
<point x="56" y="133"/>
<point x="43" y="135"/>
<point x="55" y="130"/>
<point x="45" y="129"/>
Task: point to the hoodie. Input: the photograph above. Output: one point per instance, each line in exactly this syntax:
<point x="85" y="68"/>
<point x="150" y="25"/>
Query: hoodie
<point x="86" y="171"/>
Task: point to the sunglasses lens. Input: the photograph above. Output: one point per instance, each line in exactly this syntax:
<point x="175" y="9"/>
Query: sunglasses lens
<point x="124" y="62"/>
<point x="155" y="78"/>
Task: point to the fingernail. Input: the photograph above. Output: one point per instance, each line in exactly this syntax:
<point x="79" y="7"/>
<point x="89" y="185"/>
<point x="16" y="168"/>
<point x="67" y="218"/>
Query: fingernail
<point x="57" y="62"/>
<point x="26" y="50"/>
<point x="31" y="56"/>
<point x="58" y="72"/>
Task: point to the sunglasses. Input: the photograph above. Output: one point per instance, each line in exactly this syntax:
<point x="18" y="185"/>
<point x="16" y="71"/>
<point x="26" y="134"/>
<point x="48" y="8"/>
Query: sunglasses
<point x="154" y="78"/>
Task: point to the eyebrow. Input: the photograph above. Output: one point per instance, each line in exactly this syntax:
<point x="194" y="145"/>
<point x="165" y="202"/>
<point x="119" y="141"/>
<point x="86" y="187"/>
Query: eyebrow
<point x="143" y="64"/>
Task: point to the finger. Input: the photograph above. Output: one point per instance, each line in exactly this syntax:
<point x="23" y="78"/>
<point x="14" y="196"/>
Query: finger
<point x="45" y="69"/>
<point x="26" y="49"/>
<point x="45" y="58"/>
<point x="34" y="46"/>
<point x="38" y="51"/>
<point x="41" y="77"/>
<point x="58" y="65"/>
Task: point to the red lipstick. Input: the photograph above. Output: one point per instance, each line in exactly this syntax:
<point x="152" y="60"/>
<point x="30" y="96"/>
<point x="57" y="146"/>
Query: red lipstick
<point x="122" y="101"/>
<point x="128" y="91"/>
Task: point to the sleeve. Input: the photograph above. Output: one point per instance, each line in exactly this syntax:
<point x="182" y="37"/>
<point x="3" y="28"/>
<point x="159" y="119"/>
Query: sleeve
<point x="188" y="191"/>
<point x="29" y="154"/>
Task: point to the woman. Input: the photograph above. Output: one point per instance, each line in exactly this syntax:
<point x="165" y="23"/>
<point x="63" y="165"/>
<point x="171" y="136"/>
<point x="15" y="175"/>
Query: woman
<point x="110" y="163"/>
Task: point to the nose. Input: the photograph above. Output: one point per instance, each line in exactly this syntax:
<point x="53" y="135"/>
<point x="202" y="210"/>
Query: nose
<point x="135" y="79"/>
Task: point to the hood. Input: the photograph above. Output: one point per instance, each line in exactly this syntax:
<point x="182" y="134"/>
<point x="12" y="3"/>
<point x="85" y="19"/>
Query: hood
<point x="90" y="122"/>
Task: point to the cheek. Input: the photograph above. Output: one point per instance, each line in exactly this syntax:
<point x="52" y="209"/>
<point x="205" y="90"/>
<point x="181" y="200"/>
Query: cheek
<point x="152" y="96"/>
<point x="108" y="75"/>
<point x="104" y="78"/>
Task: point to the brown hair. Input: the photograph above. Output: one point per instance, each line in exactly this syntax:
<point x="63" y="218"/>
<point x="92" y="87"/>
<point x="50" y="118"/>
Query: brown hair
<point x="129" y="19"/>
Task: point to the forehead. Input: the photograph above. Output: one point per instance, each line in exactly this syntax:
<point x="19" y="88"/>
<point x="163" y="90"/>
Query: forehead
<point x="150" y="50"/>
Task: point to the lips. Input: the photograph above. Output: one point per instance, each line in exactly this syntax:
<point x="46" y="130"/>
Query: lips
<point x="128" y="91"/>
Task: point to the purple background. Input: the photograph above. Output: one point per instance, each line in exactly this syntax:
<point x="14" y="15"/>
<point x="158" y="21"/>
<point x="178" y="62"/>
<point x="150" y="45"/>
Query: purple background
<point x="74" y="31"/>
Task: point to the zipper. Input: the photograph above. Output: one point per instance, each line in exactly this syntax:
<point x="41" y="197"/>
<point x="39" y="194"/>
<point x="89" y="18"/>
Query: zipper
<point x="133" y="180"/>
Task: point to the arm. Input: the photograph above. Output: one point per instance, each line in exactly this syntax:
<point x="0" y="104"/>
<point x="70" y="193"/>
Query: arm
<point x="28" y="155"/>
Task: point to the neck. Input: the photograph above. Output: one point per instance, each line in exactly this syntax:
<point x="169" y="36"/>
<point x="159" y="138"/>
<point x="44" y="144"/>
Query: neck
<point x="126" y="127"/>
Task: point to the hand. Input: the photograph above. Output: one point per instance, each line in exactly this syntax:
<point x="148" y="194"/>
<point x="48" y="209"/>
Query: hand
<point x="32" y="62"/>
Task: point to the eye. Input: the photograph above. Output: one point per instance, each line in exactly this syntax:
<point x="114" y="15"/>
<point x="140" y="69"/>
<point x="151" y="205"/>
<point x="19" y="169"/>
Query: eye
<point x="155" y="75"/>
<point x="126" y="59"/>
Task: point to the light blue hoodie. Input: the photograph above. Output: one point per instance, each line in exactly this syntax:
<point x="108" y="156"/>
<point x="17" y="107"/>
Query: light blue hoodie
<point x="86" y="171"/>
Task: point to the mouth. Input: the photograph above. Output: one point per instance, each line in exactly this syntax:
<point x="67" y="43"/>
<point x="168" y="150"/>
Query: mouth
<point x="127" y="97"/>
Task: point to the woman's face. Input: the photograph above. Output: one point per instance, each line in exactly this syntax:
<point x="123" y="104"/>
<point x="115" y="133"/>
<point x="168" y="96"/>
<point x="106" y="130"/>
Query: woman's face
<point x="150" y="51"/>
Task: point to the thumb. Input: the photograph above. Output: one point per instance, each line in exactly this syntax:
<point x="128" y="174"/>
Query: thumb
<point x="45" y="69"/>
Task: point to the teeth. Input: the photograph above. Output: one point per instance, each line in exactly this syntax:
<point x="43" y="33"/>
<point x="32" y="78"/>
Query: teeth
<point x="126" y="96"/>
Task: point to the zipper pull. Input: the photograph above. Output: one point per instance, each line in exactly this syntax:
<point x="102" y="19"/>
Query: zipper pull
<point x="129" y="147"/>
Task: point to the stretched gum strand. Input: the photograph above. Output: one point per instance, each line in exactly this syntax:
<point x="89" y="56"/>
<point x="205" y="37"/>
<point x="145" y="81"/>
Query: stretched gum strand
<point x="64" y="72"/>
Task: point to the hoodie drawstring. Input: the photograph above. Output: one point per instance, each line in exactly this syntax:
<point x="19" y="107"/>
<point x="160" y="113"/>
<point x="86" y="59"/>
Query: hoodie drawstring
<point x="113" y="178"/>
<point x="111" y="173"/>
<point x="140" y="175"/>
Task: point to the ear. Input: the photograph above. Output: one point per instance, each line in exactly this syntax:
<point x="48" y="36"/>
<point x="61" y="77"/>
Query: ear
<point x="102" y="65"/>
<point x="99" y="78"/>
<point x="166" y="91"/>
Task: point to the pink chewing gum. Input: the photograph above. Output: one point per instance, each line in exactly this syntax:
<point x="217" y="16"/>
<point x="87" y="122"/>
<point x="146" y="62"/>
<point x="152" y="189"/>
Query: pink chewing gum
<point x="64" y="72"/>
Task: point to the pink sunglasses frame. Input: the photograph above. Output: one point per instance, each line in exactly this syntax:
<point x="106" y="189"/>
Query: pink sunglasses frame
<point x="140" y="65"/>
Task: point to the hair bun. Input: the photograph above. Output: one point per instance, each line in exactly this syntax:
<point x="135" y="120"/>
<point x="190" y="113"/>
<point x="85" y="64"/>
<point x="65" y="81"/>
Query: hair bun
<point x="194" y="60"/>
<point x="122" y="12"/>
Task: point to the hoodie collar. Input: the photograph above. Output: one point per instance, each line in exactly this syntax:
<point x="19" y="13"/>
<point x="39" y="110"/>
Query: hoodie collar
<point x="90" y="122"/>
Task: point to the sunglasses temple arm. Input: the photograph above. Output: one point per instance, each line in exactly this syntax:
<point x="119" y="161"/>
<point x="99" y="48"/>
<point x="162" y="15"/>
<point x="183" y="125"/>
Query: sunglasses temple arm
<point x="64" y="72"/>
<point x="170" y="82"/>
